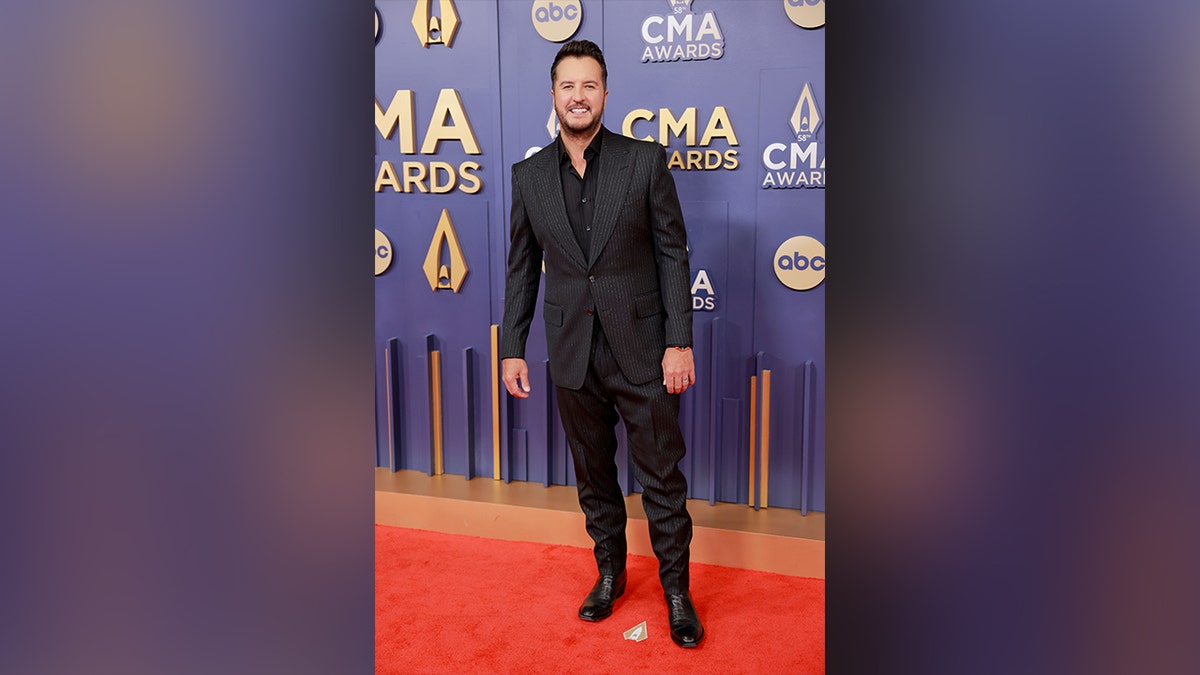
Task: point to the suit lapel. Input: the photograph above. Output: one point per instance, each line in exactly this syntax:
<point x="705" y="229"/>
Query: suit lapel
<point x="552" y="204"/>
<point x="614" y="179"/>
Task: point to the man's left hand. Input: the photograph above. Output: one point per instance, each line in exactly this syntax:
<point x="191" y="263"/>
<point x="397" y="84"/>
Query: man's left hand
<point x="679" y="370"/>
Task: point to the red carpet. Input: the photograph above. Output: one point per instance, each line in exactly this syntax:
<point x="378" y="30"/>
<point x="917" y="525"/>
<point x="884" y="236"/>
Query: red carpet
<point x="457" y="604"/>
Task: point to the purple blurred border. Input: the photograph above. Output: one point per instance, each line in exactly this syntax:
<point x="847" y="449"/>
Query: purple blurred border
<point x="187" y="389"/>
<point x="1012" y="379"/>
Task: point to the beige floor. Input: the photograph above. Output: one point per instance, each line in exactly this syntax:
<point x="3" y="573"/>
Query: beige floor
<point x="735" y="535"/>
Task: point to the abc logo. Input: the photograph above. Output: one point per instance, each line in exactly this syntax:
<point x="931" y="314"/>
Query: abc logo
<point x="383" y="253"/>
<point x="556" y="20"/>
<point x="800" y="263"/>
<point x="806" y="13"/>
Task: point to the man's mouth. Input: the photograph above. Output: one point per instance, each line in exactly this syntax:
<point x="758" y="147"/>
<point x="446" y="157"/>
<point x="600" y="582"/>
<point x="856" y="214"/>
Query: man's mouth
<point x="578" y="111"/>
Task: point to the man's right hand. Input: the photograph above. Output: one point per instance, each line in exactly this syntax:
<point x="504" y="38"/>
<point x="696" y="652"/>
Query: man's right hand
<point x="514" y="370"/>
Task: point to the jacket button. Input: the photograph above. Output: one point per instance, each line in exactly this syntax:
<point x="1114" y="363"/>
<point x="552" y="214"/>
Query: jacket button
<point x="590" y="312"/>
<point x="591" y="278"/>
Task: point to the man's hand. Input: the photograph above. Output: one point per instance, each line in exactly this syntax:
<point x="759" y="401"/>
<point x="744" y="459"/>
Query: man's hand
<point x="514" y="370"/>
<point x="679" y="371"/>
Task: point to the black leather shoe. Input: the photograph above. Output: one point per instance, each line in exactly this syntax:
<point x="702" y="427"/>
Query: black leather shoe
<point x="686" y="630"/>
<point x="599" y="602"/>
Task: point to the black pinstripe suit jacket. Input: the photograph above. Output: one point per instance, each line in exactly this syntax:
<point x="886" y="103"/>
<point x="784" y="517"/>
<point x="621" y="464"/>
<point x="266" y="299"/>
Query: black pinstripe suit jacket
<point x="636" y="276"/>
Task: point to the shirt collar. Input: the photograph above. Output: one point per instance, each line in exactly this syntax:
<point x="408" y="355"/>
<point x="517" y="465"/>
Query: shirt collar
<point x="591" y="152"/>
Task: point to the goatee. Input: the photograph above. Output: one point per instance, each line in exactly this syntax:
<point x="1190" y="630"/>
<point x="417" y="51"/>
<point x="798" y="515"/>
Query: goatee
<point x="586" y="132"/>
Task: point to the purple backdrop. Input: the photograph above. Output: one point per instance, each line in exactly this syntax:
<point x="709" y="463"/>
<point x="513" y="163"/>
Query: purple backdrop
<point x="742" y="107"/>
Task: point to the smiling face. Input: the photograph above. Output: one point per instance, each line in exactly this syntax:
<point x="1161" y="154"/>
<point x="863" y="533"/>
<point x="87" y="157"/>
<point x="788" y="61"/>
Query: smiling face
<point x="579" y="95"/>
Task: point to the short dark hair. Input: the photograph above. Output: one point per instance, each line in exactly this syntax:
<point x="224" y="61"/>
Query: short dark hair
<point x="580" y="48"/>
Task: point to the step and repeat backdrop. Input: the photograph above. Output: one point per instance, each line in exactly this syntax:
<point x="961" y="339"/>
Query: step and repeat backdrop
<point x="734" y="90"/>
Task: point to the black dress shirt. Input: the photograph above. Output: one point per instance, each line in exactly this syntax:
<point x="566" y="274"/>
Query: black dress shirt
<point x="579" y="193"/>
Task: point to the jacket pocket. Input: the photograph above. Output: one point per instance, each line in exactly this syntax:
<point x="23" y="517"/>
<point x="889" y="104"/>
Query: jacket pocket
<point x="648" y="304"/>
<point x="553" y="314"/>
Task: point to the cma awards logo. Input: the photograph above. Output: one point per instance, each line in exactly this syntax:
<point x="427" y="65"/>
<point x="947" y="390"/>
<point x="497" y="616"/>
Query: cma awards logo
<point x="552" y="129"/>
<point x="805" y="13"/>
<point x="448" y="124"/>
<point x="698" y="131"/>
<point x="698" y="155"/>
<point x="801" y="163"/>
<point x="704" y="296"/>
<point x="435" y="29"/>
<point x="682" y="35"/>
<point x="556" y="20"/>
<point x="800" y="263"/>
<point x="445" y="267"/>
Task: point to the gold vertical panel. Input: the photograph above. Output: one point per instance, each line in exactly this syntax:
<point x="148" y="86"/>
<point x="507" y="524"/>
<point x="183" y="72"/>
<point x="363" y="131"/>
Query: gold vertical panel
<point x="435" y="373"/>
<point x="753" y="434"/>
<point x="495" y="402"/>
<point x="387" y="374"/>
<point x="766" y="433"/>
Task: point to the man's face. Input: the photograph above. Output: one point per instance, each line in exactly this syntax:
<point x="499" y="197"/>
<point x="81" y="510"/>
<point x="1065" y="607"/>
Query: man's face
<point x="579" y="95"/>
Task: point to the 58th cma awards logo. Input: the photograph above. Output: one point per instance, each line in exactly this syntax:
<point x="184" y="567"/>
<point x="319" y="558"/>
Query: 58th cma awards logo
<point x="552" y="129"/>
<point x="682" y="35"/>
<point x="800" y="164"/>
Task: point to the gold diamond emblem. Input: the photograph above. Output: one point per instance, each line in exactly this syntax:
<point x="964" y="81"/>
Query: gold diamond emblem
<point x="805" y="118"/>
<point x="445" y="272"/>
<point x="435" y="30"/>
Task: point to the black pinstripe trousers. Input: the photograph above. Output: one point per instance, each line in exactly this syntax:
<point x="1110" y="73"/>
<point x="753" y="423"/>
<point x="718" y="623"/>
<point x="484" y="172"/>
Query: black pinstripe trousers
<point x="651" y="416"/>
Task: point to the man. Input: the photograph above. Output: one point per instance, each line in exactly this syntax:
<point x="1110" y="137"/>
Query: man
<point x="602" y="212"/>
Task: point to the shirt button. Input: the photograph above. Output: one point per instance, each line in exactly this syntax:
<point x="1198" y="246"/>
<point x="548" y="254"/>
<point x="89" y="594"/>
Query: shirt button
<point x="585" y="200"/>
